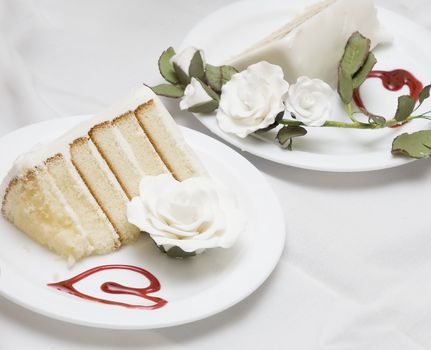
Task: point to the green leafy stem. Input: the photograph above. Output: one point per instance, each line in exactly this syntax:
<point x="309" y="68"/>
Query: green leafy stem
<point x="358" y="125"/>
<point x="356" y="64"/>
<point x="212" y="78"/>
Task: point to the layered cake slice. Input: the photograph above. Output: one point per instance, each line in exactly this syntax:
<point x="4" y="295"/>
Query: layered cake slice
<point x="70" y="195"/>
<point x="313" y="43"/>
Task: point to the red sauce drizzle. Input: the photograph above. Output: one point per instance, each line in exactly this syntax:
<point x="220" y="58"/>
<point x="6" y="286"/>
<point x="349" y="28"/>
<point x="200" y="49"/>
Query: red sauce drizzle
<point x="393" y="80"/>
<point x="67" y="286"/>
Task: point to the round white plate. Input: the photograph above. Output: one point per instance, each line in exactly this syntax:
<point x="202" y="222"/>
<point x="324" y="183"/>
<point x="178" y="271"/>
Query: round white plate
<point x="235" y="27"/>
<point x="195" y="288"/>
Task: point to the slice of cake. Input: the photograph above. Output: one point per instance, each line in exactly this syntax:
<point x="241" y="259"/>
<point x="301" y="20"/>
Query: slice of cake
<point x="70" y="195"/>
<point x="313" y="43"/>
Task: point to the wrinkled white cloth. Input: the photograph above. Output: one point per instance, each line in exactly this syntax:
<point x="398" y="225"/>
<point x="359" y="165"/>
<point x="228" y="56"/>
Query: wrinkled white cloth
<point x="21" y="103"/>
<point x="354" y="276"/>
<point x="62" y="58"/>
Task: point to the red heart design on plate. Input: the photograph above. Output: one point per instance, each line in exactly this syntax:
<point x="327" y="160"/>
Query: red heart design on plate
<point x="116" y="288"/>
<point x="393" y="80"/>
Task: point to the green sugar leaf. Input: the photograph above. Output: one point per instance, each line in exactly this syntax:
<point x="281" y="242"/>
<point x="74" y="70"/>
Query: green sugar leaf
<point x="174" y="252"/>
<point x="406" y="105"/>
<point x="165" y="66"/>
<point x="268" y="128"/>
<point x="363" y="72"/>
<point x="355" y="53"/>
<point x="205" y="107"/>
<point x="177" y="252"/>
<point x="183" y="78"/>
<point x="197" y="68"/>
<point x="168" y="90"/>
<point x="287" y="133"/>
<point x="373" y="117"/>
<point x="208" y="90"/>
<point x="378" y="119"/>
<point x="213" y="77"/>
<point x="278" y="119"/>
<point x="416" y="145"/>
<point x="227" y="73"/>
<point x="345" y="86"/>
<point x="216" y="77"/>
<point x="424" y="94"/>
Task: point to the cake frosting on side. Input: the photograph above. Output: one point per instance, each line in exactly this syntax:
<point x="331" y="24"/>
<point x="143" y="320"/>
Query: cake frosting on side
<point x="70" y="195"/>
<point x="312" y="44"/>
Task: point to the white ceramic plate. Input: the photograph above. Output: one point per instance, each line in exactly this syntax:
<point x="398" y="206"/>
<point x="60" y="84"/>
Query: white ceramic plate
<point x="237" y="26"/>
<point x="194" y="288"/>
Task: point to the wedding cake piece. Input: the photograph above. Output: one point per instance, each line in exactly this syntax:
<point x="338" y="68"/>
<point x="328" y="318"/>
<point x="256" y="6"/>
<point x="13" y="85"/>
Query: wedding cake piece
<point x="313" y="43"/>
<point x="71" y="194"/>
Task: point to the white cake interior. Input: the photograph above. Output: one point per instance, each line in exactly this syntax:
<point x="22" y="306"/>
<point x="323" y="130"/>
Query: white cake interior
<point x="71" y="194"/>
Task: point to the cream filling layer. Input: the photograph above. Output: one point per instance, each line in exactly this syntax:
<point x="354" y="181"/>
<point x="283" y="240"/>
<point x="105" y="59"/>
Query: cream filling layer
<point x="125" y="146"/>
<point x="105" y="168"/>
<point x="43" y="151"/>
<point x="78" y="180"/>
<point x="180" y="142"/>
<point x="74" y="217"/>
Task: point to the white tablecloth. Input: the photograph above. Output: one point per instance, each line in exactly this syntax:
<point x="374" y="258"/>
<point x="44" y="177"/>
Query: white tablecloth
<point x="356" y="271"/>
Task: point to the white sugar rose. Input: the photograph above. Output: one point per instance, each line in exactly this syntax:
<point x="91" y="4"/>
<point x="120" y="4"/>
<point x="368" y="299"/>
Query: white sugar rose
<point x="194" y="94"/>
<point x="192" y="215"/>
<point x="252" y="99"/>
<point x="310" y="101"/>
<point x="184" y="58"/>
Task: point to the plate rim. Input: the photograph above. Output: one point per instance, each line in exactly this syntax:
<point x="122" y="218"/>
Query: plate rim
<point x="276" y="252"/>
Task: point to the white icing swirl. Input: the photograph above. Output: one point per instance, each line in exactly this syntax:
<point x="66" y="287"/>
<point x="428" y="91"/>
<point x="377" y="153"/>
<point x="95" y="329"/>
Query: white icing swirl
<point x="194" y="94"/>
<point x="193" y="215"/>
<point x="252" y="99"/>
<point x="310" y="101"/>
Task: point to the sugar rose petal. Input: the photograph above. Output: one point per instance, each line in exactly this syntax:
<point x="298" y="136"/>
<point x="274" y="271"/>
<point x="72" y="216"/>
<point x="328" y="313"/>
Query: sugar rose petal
<point x="251" y="100"/>
<point x="194" y="94"/>
<point x="310" y="100"/>
<point x="194" y="214"/>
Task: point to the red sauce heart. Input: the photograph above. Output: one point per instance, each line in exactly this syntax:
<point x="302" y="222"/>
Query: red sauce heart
<point x="67" y="286"/>
<point x="393" y="80"/>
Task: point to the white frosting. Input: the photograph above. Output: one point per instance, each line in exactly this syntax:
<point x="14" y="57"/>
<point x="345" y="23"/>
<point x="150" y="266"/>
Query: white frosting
<point x="194" y="94"/>
<point x="252" y="99"/>
<point x="184" y="58"/>
<point x="310" y="100"/>
<point x="194" y="214"/>
<point x="312" y="44"/>
<point x="39" y="154"/>
<point x="44" y="151"/>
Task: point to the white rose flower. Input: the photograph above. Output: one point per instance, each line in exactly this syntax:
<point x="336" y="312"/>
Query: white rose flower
<point x="310" y="101"/>
<point x="184" y="58"/>
<point x="194" y="94"/>
<point x="252" y="99"/>
<point x="193" y="215"/>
